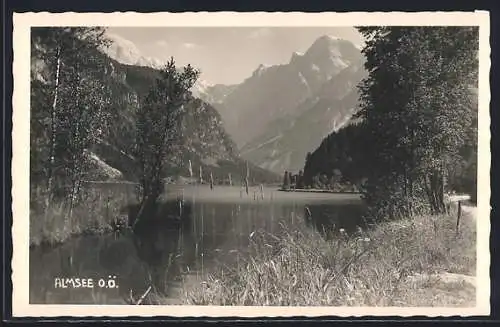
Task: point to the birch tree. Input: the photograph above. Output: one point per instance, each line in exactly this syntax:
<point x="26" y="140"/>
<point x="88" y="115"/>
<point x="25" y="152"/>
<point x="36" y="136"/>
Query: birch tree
<point x="73" y="99"/>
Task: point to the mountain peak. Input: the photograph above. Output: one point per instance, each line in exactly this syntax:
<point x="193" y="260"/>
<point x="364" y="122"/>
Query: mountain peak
<point x="260" y="69"/>
<point x="330" y="38"/>
<point x="329" y="44"/>
<point x="295" y="56"/>
<point x="126" y="52"/>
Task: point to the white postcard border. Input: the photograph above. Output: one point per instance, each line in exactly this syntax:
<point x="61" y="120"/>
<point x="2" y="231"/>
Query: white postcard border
<point x="20" y="148"/>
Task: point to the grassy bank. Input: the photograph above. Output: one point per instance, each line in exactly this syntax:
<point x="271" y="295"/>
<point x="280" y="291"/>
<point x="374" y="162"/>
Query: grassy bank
<point x="395" y="264"/>
<point x="97" y="211"/>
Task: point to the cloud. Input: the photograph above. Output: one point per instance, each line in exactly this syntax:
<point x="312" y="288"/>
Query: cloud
<point x="161" y="43"/>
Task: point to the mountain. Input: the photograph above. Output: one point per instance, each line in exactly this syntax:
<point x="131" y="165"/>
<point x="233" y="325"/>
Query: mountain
<point x="282" y="112"/>
<point x="214" y="94"/>
<point x="285" y="144"/>
<point x="272" y="93"/>
<point x="126" y="52"/>
<point x="204" y="140"/>
<point x="270" y="114"/>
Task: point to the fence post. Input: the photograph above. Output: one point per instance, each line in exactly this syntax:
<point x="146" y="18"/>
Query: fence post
<point x="459" y="214"/>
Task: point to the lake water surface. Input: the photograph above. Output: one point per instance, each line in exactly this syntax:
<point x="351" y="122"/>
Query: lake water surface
<point x="214" y="228"/>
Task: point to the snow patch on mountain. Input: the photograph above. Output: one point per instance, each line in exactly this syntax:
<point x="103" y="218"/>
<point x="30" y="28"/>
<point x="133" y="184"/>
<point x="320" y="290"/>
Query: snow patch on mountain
<point x="126" y="52"/>
<point x="200" y="88"/>
<point x="304" y="81"/>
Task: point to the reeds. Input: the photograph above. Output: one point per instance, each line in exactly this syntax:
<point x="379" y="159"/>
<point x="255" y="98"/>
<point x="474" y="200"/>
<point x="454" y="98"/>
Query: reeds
<point x="367" y="268"/>
<point x="97" y="211"/>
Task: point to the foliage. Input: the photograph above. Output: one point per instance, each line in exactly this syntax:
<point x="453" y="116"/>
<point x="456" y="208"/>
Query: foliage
<point x="98" y="211"/>
<point x="427" y="118"/>
<point x="339" y="158"/>
<point x="70" y="100"/>
<point x="417" y="113"/>
<point x="159" y="125"/>
<point x="415" y="136"/>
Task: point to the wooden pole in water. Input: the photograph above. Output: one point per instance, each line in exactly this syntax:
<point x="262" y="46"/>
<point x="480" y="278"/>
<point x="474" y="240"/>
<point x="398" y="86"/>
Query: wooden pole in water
<point x="201" y="175"/>
<point x="262" y="191"/>
<point x="246" y="178"/>
<point x="190" y="167"/>
<point x="211" y="181"/>
<point x="180" y="207"/>
<point x="230" y="180"/>
<point x="202" y="238"/>
<point x="213" y="225"/>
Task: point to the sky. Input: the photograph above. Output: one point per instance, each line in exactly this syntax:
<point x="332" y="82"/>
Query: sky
<point x="226" y="55"/>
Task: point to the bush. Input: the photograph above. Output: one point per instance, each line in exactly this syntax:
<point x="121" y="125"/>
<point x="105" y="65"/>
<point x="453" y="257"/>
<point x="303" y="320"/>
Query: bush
<point x="97" y="211"/>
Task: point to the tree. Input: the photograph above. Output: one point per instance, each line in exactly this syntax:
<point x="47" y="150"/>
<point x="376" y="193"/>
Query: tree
<point x="342" y="150"/>
<point x="416" y="104"/>
<point x="316" y="182"/>
<point x="158" y="126"/>
<point x="300" y="180"/>
<point x="286" y="181"/>
<point x="73" y="98"/>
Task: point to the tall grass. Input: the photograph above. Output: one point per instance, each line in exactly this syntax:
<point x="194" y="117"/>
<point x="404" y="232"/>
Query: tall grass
<point x="97" y="210"/>
<point x="367" y="268"/>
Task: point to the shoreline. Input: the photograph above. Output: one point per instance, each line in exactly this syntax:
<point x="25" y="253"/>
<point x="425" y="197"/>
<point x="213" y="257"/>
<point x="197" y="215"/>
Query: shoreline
<point x="436" y="269"/>
<point x="303" y="190"/>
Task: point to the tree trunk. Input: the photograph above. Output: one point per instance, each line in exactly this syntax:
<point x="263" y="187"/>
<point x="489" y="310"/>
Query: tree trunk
<point x="146" y="206"/>
<point x="53" y="115"/>
<point x="77" y="148"/>
<point x="427" y="183"/>
<point x="435" y="191"/>
<point x="74" y="191"/>
<point x="442" y="206"/>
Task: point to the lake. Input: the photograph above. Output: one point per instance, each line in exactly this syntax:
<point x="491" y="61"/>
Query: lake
<point x="196" y="231"/>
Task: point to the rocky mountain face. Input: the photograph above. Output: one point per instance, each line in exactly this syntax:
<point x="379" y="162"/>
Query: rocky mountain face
<point x="213" y="94"/>
<point x="285" y="145"/>
<point x="127" y="53"/>
<point x="204" y="140"/>
<point x="282" y="112"/>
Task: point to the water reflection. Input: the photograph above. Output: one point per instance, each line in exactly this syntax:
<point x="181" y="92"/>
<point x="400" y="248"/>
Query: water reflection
<point x="180" y="240"/>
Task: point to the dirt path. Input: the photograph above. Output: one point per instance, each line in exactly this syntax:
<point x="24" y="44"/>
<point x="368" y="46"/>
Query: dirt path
<point x="445" y="288"/>
<point x="470" y="211"/>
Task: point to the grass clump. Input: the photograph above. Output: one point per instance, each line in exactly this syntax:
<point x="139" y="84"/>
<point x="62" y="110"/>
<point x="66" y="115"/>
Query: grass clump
<point x="96" y="212"/>
<point x="366" y="268"/>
